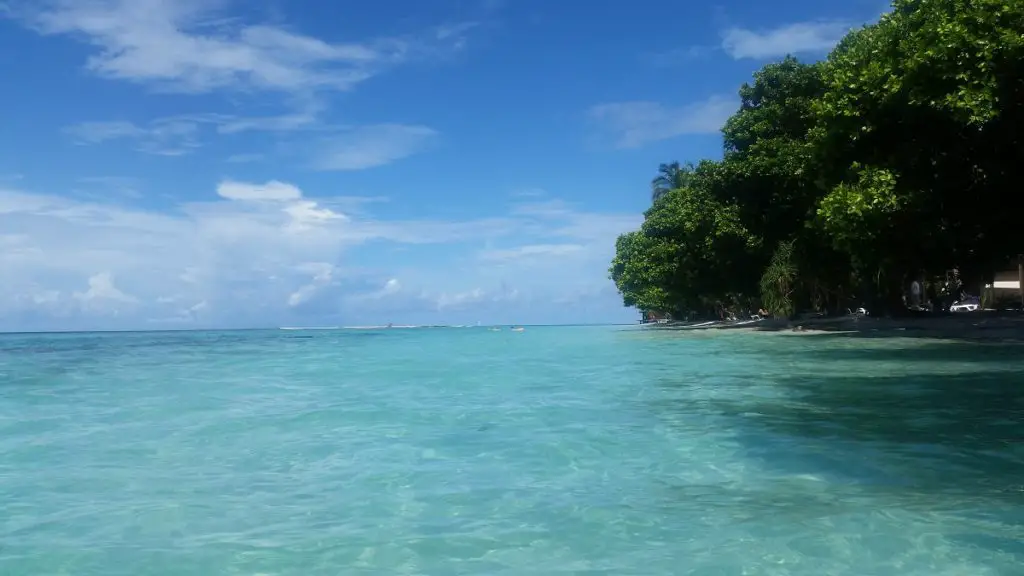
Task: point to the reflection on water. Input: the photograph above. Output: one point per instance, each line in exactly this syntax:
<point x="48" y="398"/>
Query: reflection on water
<point x="468" y="452"/>
<point x="930" y="433"/>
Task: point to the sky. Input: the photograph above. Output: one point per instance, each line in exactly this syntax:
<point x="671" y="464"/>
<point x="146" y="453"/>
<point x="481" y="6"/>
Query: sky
<point x="177" y="164"/>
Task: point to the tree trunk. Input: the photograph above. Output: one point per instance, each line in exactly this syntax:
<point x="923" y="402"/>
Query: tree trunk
<point x="889" y="300"/>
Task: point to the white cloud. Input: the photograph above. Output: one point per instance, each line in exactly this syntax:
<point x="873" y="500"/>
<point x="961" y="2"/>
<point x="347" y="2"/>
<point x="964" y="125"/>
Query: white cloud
<point x="268" y="253"/>
<point x="306" y="215"/>
<point x="304" y="115"/>
<point x="199" y="47"/>
<point x="339" y="148"/>
<point x="184" y="133"/>
<point x="188" y="46"/>
<point x="460" y="299"/>
<point x="372" y="146"/>
<point x="389" y="289"/>
<point x="799" y="38"/>
<point x="532" y="251"/>
<point x="272" y="190"/>
<point x="106" y="187"/>
<point x="322" y="275"/>
<point x="102" y="296"/>
<point x="501" y="295"/>
<point x="283" y="123"/>
<point x="165" y="137"/>
<point x="46" y="297"/>
<point x="95" y="132"/>
<point x="633" y="124"/>
<point x="455" y="31"/>
<point x="101" y="287"/>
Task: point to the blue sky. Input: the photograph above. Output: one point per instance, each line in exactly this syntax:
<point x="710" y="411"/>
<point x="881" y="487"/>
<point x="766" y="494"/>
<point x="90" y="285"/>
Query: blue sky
<point x="218" y="163"/>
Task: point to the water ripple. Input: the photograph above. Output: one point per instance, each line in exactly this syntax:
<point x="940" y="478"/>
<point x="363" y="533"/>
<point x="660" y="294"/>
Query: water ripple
<point x="553" y="451"/>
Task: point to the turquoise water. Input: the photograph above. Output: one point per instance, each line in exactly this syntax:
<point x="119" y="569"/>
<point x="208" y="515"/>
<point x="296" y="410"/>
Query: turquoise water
<point x="551" y="451"/>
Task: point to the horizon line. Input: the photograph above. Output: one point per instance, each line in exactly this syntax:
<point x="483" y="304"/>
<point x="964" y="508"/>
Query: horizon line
<point x="296" y="328"/>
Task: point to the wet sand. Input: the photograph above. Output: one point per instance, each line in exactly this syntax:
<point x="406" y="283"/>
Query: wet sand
<point x="967" y="326"/>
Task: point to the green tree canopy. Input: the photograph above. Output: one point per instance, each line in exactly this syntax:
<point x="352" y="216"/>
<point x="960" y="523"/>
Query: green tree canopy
<point x="933" y="94"/>
<point x="684" y="254"/>
<point x="899" y="154"/>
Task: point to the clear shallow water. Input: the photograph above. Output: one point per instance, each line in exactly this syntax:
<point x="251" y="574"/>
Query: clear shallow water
<point x="552" y="451"/>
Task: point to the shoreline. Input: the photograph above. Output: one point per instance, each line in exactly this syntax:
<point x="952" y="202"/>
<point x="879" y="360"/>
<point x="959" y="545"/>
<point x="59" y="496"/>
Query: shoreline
<point x="967" y="325"/>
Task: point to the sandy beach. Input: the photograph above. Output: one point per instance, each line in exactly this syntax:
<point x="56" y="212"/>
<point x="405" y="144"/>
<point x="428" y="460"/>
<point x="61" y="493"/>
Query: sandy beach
<point x="964" y="326"/>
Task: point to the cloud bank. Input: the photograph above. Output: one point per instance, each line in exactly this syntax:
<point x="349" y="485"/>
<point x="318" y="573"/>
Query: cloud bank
<point x="796" y="39"/>
<point x="267" y="253"/>
<point x="199" y="48"/>
<point x="189" y="46"/>
<point x="634" y="124"/>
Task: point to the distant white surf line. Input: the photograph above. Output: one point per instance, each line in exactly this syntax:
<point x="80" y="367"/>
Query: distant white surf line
<point x="375" y="327"/>
<point x="382" y="327"/>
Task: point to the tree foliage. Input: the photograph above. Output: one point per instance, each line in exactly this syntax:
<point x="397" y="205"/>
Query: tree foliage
<point x="767" y="167"/>
<point x="779" y="280"/>
<point x="682" y="257"/>
<point x="642" y="270"/>
<point x="899" y="153"/>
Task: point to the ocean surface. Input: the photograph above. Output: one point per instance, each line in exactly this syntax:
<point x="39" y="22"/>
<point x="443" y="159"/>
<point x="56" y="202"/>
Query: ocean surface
<point x="589" y="450"/>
